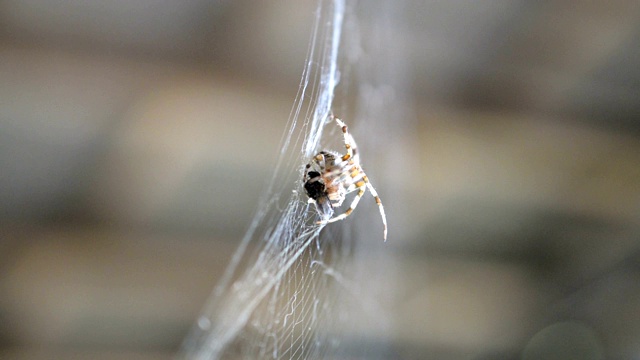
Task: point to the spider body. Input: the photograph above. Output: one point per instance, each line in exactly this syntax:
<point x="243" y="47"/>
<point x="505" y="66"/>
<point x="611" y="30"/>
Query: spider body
<point x="329" y="177"/>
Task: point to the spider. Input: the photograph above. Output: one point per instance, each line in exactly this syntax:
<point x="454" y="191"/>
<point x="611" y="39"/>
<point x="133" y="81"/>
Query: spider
<point x="329" y="177"/>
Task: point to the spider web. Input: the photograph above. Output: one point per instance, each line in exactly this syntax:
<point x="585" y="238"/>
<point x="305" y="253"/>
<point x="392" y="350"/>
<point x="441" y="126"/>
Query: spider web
<point x="285" y="294"/>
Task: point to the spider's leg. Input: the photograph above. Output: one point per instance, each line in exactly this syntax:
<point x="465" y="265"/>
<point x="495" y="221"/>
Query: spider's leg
<point x="353" y="205"/>
<point x="349" y="142"/>
<point x="375" y="195"/>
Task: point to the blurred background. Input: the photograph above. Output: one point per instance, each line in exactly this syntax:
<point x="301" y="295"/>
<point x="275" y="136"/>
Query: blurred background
<point x="136" y="136"/>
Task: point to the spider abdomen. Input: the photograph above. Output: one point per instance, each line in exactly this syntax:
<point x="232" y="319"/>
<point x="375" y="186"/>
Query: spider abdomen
<point x="315" y="190"/>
